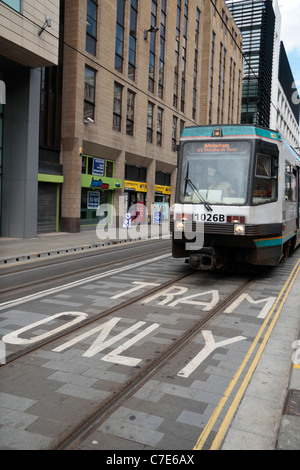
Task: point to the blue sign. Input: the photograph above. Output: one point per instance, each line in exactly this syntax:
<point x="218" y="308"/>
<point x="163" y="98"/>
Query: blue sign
<point x="99" y="184"/>
<point x="98" y="167"/>
<point x="93" y="200"/>
<point x="157" y="217"/>
<point x="127" y="220"/>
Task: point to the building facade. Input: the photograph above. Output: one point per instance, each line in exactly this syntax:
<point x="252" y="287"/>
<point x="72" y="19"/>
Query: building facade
<point x="288" y="102"/>
<point x="256" y="20"/>
<point x="268" y="90"/>
<point x="135" y="74"/>
<point x="25" y="46"/>
<point x="105" y="88"/>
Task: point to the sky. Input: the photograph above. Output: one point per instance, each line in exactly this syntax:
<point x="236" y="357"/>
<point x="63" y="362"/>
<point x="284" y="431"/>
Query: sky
<point x="290" y="14"/>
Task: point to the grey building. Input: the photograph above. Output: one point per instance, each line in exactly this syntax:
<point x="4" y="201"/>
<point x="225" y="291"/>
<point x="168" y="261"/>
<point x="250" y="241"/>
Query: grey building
<point x="25" y="46"/>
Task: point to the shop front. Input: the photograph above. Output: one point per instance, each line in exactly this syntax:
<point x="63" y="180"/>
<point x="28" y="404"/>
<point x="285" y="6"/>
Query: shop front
<point x="98" y="186"/>
<point x="49" y="190"/>
<point x="135" y="194"/>
<point x="162" y="203"/>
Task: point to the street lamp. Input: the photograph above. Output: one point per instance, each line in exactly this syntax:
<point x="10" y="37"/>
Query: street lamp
<point x="153" y="29"/>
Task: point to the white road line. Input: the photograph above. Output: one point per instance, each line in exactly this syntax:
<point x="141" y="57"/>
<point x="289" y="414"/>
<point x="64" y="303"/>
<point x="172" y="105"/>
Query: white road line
<point x="80" y="282"/>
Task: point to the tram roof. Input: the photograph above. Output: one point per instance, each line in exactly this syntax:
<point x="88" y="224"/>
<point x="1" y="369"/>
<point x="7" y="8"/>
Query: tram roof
<point x="230" y="131"/>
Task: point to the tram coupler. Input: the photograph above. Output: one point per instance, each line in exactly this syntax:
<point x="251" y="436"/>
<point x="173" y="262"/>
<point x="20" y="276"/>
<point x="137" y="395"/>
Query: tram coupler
<point x="206" y="260"/>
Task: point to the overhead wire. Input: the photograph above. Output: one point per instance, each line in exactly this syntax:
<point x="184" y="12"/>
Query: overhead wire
<point x="133" y="85"/>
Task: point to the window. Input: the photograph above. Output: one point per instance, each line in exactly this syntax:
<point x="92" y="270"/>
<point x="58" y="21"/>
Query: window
<point x="151" y="80"/>
<point x="119" y="48"/>
<point x="89" y="94"/>
<point x="132" y="40"/>
<point x="97" y="166"/>
<point x="117" y="118"/>
<point x="135" y="173"/>
<point x="174" y="134"/>
<point x="150" y="122"/>
<point x="265" y="187"/>
<point x="162" y="179"/>
<point x="195" y="78"/>
<point x="91" y="26"/>
<point x="214" y="5"/>
<point x="162" y="50"/>
<point x="176" y="65"/>
<point x="290" y="183"/>
<point x="184" y="56"/>
<point x="218" y="170"/>
<point x="130" y="113"/>
<point x="15" y="4"/>
<point x="159" y="127"/>
<point x="51" y="102"/>
<point x="211" y="83"/>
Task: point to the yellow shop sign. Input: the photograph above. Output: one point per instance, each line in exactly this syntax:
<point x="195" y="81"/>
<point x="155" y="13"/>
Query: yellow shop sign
<point x="135" y="186"/>
<point x="163" y="189"/>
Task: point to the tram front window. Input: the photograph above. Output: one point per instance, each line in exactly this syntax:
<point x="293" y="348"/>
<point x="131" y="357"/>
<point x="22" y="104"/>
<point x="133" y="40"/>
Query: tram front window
<point x="215" y="172"/>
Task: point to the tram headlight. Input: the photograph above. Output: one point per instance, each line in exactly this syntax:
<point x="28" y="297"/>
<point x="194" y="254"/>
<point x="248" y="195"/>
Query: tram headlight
<point x="239" y="229"/>
<point x="179" y="226"/>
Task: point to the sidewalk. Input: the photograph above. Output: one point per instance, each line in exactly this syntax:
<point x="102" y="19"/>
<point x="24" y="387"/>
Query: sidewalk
<point x="54" y="244"/>
<point x="289" y="432"/>
<point x="14" y="250"/>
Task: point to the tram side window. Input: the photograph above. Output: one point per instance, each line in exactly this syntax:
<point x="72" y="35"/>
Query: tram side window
<point x="290" y="183"/>
<point x="265" y="188"/>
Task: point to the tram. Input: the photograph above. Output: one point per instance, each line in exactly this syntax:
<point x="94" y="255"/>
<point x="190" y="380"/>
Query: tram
<point x="237" y="197"/>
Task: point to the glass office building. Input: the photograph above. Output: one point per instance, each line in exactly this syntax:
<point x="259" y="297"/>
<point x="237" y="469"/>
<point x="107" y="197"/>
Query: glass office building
<point x="256" y="21"/>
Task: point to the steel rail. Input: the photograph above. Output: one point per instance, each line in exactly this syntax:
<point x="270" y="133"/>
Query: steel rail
<point x="14" y="356"/>
<point x="38" y="284"/>
<point x="106" y="408"/>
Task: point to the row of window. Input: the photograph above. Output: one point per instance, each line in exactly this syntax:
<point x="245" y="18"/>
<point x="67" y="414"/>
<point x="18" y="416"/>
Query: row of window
<point x="266" y="180"/>
<point x="154" y="116"/>
<point x="157" y="23"/>
<point x="221" y="85"/>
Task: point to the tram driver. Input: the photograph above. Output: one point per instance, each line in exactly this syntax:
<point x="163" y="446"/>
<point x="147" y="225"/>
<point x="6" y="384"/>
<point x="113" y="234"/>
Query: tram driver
<point x="223" y="185"/>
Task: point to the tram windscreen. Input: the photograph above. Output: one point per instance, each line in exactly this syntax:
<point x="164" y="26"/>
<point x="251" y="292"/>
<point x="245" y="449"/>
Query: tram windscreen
<point x="215" y="172"/>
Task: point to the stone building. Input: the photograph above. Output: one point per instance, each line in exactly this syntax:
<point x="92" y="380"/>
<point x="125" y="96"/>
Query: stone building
<point x="135" y="73"/>
<point x="127" y="77"/>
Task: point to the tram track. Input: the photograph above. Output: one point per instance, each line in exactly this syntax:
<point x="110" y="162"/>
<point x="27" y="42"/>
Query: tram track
<point x="89" y="321"/>
<point x="37" y="284"/>
<point x="70" y="438"/>
<point x="107" y="407"/>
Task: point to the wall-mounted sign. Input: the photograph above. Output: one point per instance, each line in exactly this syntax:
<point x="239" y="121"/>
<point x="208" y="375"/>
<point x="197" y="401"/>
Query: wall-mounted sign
<point x="93" y="199"/>
<point x="104" y="183"/>
<point x="98" y="167"/>
<point x="135" y="186"/>
<point x="99" y="184"/>
<point x="163" y="189"/>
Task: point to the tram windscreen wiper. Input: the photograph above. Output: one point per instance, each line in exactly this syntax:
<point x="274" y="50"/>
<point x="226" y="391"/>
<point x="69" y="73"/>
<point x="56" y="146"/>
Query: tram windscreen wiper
<point x="201" y="198"/>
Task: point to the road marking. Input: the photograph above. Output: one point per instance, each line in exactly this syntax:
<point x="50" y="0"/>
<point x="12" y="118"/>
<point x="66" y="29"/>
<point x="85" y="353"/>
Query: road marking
<point x="176" y="291"/>
<point x="238" y="397"/>
<point x="140" y="285"/>
<point x="210" y="346"/>
<point x="13" y="337"/>
<point x="80" y="282"/>
<point x="101" y="342"/>
<point x="269" y="304"/>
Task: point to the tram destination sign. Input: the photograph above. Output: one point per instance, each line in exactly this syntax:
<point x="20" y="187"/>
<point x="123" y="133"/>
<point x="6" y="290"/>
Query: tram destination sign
<point x="228" y="147"/>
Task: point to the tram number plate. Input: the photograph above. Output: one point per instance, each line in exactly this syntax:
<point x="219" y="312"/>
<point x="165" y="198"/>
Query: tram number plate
<point x="218" y="218"/>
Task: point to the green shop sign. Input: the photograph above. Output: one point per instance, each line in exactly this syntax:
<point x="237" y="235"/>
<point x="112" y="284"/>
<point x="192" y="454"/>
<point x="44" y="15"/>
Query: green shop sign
<point x="103" y="183"/>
